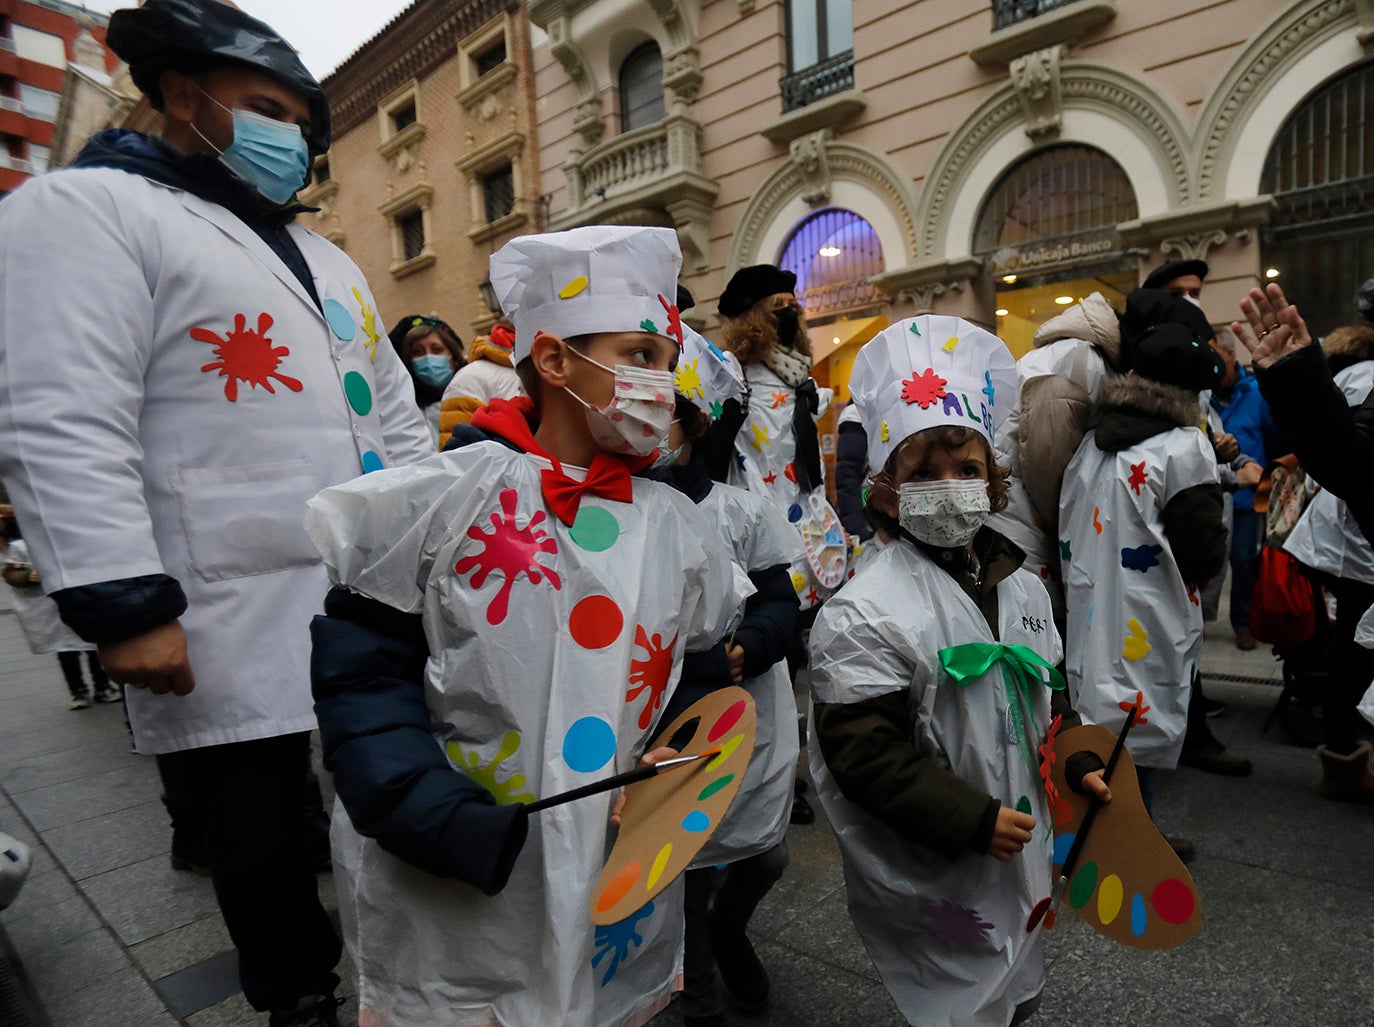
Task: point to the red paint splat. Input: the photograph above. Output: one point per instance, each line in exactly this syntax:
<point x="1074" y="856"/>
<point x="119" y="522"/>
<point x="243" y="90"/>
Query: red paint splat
<point x="1173" y="900"/>
<point x="1062" y="812"/>
<point x="246" y="356"/>
<point x="726" y="721"/>
<point x="1138" y="476"/>
<point x="790" y="473"/>
<point x="1037" y="914"/>
<point x="651" y="673"/>
<point x="779" y="398"/>
<point x="1096" y="523"/>
<point x="924" y="388"/>
<point x="769" y="478"/>
<point x="812" y="596"/>
<point x="674" y="320"/>
<point x="1192" y="596"/>
<point x="512" y="551"/>
<point x="1139" y="706"/>
<point x="1047" y="760"/>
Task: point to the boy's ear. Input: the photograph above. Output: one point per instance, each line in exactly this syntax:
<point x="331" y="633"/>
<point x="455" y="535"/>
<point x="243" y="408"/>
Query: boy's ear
<point x="550" y="356"/>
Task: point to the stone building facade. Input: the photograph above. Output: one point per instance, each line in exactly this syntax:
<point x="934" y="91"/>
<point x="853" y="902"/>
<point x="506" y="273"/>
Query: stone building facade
<point x="434" y="161"/>
<point x="994" y="160"/>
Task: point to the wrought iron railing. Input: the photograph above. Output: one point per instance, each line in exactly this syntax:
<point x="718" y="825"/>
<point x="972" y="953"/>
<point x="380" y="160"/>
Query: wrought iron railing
<point x="824" y="78"/>
<point x="1009" y="12"/>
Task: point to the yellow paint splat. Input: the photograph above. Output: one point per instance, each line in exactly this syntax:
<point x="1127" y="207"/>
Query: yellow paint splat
<point x="726" y="751"/>
<point x="1135" y="645"/>
<point x="884" y="435"/>
<point x="573" y="288"/>
<point x="369" y="325"/>
<point x="687" y="380"/>
<point x="506" y="792"/>
<point x="949" y="346"/>
<point x="660" y="864"/>
<point x="761" y="438"/>
<point x="798" y="581"/>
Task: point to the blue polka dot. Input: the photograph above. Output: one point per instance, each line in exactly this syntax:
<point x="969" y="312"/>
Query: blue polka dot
<point x="589" y="745"/>
<point x="1138" y="921"/>
<point x="371" y="462"/>
<point x="1062" y="845"/>
<point x="340" y="320"/>
<point x="696" y="822"/>
<point x="794" y="513"/>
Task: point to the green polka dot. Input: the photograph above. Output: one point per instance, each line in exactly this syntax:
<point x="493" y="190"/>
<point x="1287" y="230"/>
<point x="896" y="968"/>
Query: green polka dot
<point x="594" y="529"/>
<point x="359" y="393"/>
<point x="1023" y="804"/>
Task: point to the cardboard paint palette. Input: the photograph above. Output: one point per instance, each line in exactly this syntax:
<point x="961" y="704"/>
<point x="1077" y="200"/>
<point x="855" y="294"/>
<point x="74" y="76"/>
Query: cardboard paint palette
<point x="670" y="816"/>
<point x="1129" y="884"/>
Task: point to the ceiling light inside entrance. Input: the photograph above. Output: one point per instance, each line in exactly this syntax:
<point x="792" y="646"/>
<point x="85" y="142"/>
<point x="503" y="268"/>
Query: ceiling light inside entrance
<point x="1063" y="301"/>
<point x="829" y="250"/>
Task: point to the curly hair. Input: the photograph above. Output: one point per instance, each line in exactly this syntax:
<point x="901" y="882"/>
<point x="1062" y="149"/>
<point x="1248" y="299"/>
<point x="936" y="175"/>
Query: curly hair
<point x="949" y="438"/>
<point x="753" y="334"/>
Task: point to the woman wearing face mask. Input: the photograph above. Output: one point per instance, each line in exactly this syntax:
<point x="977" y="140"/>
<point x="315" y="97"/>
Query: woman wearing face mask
<point x="932" y="685"/>
<point x="432" y="352"/>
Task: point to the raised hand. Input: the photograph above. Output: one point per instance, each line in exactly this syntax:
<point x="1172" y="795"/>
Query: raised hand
<point x="1273" y="328"/>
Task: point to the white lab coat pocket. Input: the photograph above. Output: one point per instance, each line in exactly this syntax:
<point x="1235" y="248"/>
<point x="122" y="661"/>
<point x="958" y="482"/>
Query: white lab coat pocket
<point x="246" y="520"/>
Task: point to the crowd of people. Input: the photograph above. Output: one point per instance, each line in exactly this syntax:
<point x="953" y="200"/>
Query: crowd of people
<point x="491" y="575"/>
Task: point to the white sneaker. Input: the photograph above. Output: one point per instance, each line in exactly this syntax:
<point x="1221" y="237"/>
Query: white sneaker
<point x="79" y="702"/>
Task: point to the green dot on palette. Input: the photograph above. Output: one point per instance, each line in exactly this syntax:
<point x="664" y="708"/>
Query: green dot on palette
<point x="594" y="529"/>
<point x="359" y="393"/>
<point x="340" y="320"/>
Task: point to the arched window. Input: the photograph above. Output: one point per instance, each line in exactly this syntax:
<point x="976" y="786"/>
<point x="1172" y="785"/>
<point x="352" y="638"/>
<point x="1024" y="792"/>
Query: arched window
<point x="641" y="87"/>
<point x="1048" y="231"/>
<point x="833" y="252"/>
<point x="1319" y="242"/>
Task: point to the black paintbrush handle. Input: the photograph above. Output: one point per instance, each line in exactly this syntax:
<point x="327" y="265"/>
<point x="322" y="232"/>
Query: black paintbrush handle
<point x="595" y="788"/>
<point x="1076" y="850"/>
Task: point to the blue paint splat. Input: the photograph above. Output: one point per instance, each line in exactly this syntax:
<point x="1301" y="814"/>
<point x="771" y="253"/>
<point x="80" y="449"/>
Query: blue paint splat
<point x="715" y="352"/>
<point x="1062" y="844"/>
<point x="794" y="513"/>
<point x="739" y="459"/>
<point x="1091" y="608"/>
<point x="989" y="389"/>
<point x="589" y="745"/>
<point x="696" y="822"/>
<point x="1141" y="558"/>
<point x="1065" y="549"/>
<point x="1138" y="914"/>
<point x="616" y="940"/>
<point x="340" y="320"/>
<point x="371" y="462"/>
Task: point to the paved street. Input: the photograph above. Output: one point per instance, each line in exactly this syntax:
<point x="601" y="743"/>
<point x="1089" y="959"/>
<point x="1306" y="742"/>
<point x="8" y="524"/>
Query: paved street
<point x="107" y="934"/>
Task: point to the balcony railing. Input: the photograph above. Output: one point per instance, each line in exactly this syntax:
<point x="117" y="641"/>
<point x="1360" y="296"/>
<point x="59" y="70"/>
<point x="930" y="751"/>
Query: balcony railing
<point x="825" y="78"/>
<point x="633" y="160"/>
<point x="1009" y="12"/>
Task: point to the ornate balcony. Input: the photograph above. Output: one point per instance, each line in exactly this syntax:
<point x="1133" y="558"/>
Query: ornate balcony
<point x="824" y="78"/>
<point x="649" y="176"/>
<point x="1009" y="12"/>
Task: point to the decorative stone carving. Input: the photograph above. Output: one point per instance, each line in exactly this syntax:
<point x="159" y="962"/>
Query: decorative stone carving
<point x="1194" y="246"/>
<point x="682" y="74"/>
<point x="810" y="160"/>
<point x="745" y="7"/>
<point x="1364" y="15"/>
<point x="919" y="284"/>
<point x="1036" y="78"/>
<point x="588" y="121"/>
<point x="488" y="107"/>
<point x="692" y="218"/>
<point x="921" y="297"/>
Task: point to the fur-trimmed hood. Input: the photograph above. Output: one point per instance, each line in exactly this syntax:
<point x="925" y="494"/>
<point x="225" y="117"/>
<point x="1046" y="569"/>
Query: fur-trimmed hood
<point x="1349" y="345"/>
<point x="1132" y="409"/>
<point x="482" y="348"/>
<point x="1093" y="320"/>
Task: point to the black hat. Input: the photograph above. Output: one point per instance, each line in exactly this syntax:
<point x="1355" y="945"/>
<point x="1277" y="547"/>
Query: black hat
<point x="1172" y="354"/>
<point x="196" y="35"/>
<point x="1146" y="308"/>
<point x="1169" y="270"/>
<point x="748" y="285"/>
<point x="685" y="299"/>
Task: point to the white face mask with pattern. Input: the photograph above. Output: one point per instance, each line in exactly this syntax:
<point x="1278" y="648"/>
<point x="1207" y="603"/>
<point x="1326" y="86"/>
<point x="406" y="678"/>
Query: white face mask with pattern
<point x="945" y="513"/>
<point x="637" y="418"/>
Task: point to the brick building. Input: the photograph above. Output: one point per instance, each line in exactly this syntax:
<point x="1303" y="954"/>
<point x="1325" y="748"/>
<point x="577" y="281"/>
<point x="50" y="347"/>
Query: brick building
<point x="39" y="40"/>
<point x="434" y="161"/>
<point x="995" y="159"/>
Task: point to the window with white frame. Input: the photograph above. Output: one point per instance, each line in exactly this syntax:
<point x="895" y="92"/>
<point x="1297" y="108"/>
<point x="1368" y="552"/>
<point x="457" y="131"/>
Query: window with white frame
<point x="39" y="103"/>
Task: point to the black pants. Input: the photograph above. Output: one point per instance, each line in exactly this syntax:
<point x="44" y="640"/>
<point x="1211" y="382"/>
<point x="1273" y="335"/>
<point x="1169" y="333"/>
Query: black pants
<point x="249" y="798"/>
<point x="70" y="663"/>
<point x="1351" y="666"/>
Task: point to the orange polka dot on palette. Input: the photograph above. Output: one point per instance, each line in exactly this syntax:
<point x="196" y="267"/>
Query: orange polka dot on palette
<point x="669" y="817"/>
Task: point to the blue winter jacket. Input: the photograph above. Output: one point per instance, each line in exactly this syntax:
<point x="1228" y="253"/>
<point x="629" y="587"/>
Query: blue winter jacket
<point x="1246" y="416"/>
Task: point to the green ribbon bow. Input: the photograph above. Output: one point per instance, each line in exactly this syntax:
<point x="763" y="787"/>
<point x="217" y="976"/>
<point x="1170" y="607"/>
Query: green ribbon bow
<point x="1023" y="670"/>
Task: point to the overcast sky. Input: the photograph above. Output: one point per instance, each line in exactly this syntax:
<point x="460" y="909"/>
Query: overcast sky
<point x="324" y="31"/>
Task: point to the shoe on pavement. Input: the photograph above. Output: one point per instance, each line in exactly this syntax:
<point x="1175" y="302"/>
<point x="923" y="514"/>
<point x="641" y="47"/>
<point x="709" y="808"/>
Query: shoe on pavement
<point x="1347" y="778"/>
<point x="1183" y="848"/>
<point x="742" y="976"/>
<point x="1211" y="756"/>
<point x="1245" y="641"/>
<point x="311" y="1011"/>
<point x="1213" y="707"/>
<point x="802" y="813"/>
<point x="79" y="702"/>
<point x="107" y="694"/>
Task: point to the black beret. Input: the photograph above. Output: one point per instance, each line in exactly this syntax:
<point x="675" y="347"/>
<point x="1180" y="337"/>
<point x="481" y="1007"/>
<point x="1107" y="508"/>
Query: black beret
<point x="1168" y="271"/>
<point x="1173" y="354"/>
<point x="1146" y="308"/>
<point x="197" y="35"/>
<point x="685" y="299"/>
<point x="748" y="285"/>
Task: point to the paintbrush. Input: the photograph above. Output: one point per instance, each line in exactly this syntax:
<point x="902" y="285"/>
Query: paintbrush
<point x="1094" y="804"/>
<point x="617" y="781"/>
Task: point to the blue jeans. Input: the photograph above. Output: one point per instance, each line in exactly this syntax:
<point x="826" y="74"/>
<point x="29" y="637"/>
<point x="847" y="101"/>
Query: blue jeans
<point x="1245" y="547"/>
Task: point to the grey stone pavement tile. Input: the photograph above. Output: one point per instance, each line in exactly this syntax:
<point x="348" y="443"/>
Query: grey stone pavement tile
<point x="147" y="898"/>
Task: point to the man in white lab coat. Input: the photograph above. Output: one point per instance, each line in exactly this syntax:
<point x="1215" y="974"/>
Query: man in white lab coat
<point x="181" y="368"/>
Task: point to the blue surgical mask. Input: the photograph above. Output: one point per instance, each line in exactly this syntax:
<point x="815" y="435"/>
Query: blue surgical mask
<point x="269" y="155"/>
<point x="433" y="369"/>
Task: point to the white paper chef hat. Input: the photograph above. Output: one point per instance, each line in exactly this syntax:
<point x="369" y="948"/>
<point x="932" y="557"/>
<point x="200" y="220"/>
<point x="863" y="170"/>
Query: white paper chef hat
<point x="602" y="278"/>
<point x="706" y="375"/>
<point x="929" y="371"/>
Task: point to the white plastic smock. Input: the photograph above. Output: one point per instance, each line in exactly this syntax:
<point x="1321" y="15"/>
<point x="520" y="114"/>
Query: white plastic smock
<point x="1082" y="363"/>
<point x="1133" y="625"/>
<point x="1326" y="537"/>
<point x="38" y="617"/>
<point x="759" y="538"/>
<point x="552" y="652"/>
<point x="765" y="462"/>
<point x="170" y="408"/>
<point x="947" y="937"/>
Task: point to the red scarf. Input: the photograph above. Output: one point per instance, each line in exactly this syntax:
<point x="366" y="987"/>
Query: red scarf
<point x="608" y="476"/>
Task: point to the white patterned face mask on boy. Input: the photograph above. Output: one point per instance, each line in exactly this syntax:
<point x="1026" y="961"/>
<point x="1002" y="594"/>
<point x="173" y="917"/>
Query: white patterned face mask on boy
<point x="945" y="513"/>
<point x="637" y="418"/>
